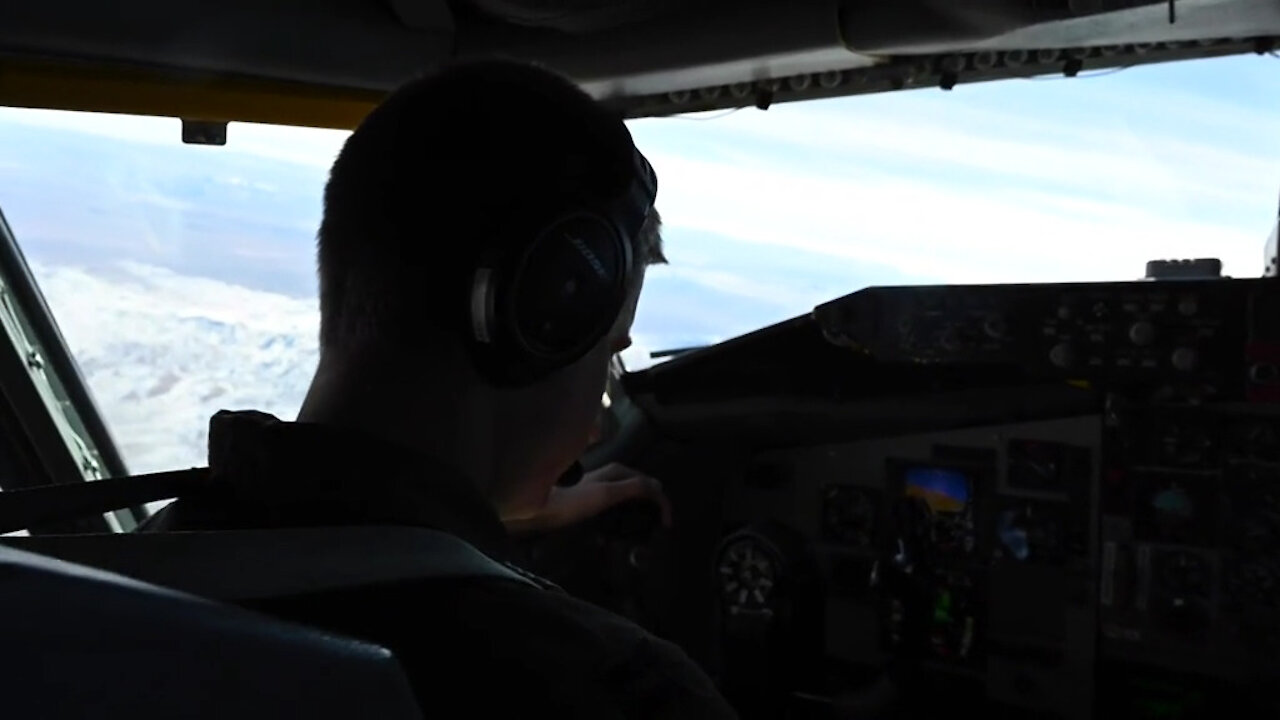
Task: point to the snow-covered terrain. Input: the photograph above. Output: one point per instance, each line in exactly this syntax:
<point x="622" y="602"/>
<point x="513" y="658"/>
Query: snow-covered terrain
<point x="161" y="352"/>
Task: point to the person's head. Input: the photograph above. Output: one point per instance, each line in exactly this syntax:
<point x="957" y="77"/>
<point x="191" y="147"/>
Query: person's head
<point x="453" y="169"/>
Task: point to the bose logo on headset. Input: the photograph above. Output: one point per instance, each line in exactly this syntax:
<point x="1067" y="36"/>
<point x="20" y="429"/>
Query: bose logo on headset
<point x="589" y="256"/>
<point x="530" y="314"/>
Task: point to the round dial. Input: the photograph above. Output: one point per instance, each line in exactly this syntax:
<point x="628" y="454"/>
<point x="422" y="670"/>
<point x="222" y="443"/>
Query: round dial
<point x="747" y="572"/>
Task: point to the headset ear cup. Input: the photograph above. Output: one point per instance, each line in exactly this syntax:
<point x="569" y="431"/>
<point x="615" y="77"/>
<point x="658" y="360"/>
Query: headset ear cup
<point x="549" y="305"/>
<point x="545" y="304"/>
<point x="482" y="306"/>
<point x="568" y="289"/>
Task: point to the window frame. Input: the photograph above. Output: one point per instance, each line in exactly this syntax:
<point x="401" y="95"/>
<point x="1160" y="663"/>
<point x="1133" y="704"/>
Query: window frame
<point x="46" y="393"/>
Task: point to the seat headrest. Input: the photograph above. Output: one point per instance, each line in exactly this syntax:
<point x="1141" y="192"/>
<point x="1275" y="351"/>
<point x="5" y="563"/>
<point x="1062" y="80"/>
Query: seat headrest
<point x="243" y="565"/>
<point x="81" y="642"/>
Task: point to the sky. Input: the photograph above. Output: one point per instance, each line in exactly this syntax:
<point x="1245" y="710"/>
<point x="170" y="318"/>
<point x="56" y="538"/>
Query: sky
<point x="183" y="277"/>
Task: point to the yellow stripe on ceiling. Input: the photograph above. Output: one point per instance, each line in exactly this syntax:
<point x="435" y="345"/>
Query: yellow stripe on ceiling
<point x="103" y="88"/>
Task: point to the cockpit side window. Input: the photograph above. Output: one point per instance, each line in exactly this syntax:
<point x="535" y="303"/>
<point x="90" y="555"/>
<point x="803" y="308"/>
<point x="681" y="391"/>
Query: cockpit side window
<point x="50" y="432"/>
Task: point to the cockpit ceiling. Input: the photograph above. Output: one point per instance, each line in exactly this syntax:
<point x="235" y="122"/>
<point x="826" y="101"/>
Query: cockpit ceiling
<point x="647" y="56"/>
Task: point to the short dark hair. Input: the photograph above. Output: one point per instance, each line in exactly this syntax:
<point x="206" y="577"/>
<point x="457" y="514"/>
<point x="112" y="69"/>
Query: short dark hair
<point x="449" y="167"/>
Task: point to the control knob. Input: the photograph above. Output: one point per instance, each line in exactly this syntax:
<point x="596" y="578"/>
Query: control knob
<point x="1142" y="333"/>
<point x="995" y="327"/>
<point x="1185" y="359"/>
<point x="952" y="340"/>
<point x="1263" y="373"/>
<point x="748" y="570"/>
<point x="1063" y="355"/>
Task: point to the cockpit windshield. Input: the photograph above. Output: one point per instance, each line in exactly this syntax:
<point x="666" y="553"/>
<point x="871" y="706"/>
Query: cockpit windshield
<point x="183" y="277"/>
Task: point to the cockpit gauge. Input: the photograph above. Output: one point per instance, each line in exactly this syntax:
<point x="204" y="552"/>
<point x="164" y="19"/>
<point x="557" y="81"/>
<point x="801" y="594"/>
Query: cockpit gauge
<point x="747" y="571"/>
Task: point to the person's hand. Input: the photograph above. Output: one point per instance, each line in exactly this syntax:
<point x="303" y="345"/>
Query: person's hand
<point x="597" y="491"/>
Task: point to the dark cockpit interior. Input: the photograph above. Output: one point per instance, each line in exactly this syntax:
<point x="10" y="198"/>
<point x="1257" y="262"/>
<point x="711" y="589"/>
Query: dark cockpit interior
<point x="1051" y="498"/>
<point x="1022" y="500"/>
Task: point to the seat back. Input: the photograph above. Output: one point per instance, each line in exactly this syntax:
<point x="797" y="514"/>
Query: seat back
<point x="243" y="565"/>
<point x="80" y="642"/>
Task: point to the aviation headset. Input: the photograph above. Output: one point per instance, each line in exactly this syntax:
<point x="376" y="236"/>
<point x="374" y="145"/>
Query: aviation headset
<point x="542" y="304"/>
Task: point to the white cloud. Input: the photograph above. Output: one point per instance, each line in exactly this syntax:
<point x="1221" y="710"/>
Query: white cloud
<point x="637" y="356"/>
<point x="130" y="128"/>
<point x="728" y="283"/>
<point x="303" y="146"/>
<point x="939" y="232"/>
<point x="946" y="192"/>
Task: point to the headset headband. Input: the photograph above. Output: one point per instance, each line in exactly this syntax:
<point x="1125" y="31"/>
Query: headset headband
<point x="631" y="210"/>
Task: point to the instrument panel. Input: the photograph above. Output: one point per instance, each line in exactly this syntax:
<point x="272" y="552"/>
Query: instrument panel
<point x="968" y="550"/>
<point x="1179" y="331"/>
<point x="1120" y="562"/>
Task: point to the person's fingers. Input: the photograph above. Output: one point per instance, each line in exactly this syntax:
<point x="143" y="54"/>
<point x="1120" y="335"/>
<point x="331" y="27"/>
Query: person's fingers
<point x="613" y="472"/>
<point x="664" y="503"/>
<point x="643" y="487"/>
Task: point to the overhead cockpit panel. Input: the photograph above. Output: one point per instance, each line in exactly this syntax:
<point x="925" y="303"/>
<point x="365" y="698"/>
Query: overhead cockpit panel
<point x="646" y="57"/>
